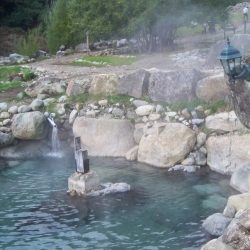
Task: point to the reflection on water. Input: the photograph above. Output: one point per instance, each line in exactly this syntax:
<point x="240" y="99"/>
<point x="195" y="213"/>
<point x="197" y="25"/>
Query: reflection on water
<point x="162" y="211"/>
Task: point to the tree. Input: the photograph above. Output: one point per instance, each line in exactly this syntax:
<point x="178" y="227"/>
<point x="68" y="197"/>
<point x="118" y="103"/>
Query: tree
<point x="22" y="13"/>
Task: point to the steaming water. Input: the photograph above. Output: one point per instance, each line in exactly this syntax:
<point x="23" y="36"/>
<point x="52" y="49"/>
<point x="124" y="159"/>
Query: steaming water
<point x="56" y="147"/>
<point x="162" y="211"/>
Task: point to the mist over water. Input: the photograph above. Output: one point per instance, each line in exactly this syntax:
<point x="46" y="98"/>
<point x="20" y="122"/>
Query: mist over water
<point x="162" y="211"/>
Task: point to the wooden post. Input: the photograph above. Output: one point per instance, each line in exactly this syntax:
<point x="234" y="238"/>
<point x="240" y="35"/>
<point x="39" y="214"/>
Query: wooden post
<point x="81" y="157"/>
<point x="87" y="40"/>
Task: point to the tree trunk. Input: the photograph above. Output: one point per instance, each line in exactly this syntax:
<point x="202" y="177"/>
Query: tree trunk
<point x="240" y="97"/>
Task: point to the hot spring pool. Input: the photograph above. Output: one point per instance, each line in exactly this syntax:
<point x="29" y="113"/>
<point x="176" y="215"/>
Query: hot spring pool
<point x="162" y="211"/>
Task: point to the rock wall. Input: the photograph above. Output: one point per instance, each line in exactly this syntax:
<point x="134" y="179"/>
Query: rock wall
<point x="105" y="137"/>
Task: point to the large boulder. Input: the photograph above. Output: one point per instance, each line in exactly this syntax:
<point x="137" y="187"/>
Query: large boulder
<point x="46" y="85"/>
<point x="240" y="41"/>
<point x="226" y="121"/>
<point x="236" y="203"/>
<point x="134" y="84"/>
<point x="212" y="88"/>
<point x="227" y="153"/>
<point x="79" y="86"/>
<point x="173" y="86"/>
<point x="30" y="126"/>
<point x="237" y="236"/>
<point x="105" y="137"/>
<point x="240" y="179"/>
<point x="215" y="224"/>
<point x="105" y="84"/>
<point x="5" y="139"/>
<point x="216" y="244"/>
<point x="166" y="144"/>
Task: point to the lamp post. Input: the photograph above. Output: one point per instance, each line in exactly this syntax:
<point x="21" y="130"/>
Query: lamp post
<point x="231" y="60"/>
<point x="238" y="75"/>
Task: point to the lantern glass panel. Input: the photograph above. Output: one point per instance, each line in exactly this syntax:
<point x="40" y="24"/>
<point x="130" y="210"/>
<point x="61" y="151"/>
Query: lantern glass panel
<point x="238" y="65"/>
<point x="225" y="66"/>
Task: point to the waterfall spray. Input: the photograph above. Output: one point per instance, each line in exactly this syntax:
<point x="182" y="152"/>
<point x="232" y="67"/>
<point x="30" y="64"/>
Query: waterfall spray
<point x="56" y="147"/>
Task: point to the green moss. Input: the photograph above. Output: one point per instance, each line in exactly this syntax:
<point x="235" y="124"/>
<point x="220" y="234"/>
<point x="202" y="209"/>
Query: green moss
<point x="121" y="99"/>
<point x="191" y="105"/>
<point x="103" y="61"/>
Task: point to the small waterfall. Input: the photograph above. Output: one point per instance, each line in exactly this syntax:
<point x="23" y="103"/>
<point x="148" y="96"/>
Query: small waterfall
<point x="56" y="147"/>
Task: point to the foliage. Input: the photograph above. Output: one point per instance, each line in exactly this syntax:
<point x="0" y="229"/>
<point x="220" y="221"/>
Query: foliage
<point x="25" y="13"/>
<point x="31" y="43"/>
<point x="8" y="74"/>
<point x="112" y="99"/>
<point x="102" y="61"/>
<point x="191" y="105"/>
<point x="121" y="99"/>
<point x="58" y="31"/>
<point x="189" y="31"/>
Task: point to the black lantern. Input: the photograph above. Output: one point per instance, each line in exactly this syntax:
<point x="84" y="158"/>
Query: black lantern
<point x="230" y="59"/>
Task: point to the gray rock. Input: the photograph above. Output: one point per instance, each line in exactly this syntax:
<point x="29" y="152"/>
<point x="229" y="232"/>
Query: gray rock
<point x="42" y="96"/>
<point x="13" y="110"/>
<point x="105" y="137"/>
<point x="189" y="161"/>
<point x="159" y="109"/>
<point x="117" y="112"/>
<point x="3" y="106"/>
<point x="134" y="84"/>
<point x="144" y="110"/>
<point x="103" y="103"/>
<point x="91" y="114"/>
<point x="72" y="116"/>
<point x="138" y="103"/>
<point x="30" y="126"/>
<point x="197" y="121"/>
<point x="216" y="244"/>
<point x="188" y="168"/>
<point x="237" y="236"/>
<point x="24" y="109"/>
<point x="6" y="122"/>
<point x="226" y="121"/>
<point x="132" y="154"/>
<point x="200" y="158"/>
<point x="154" y="117"/>
<point x="227" y="153"/>
<point x="163" y="147"/>
<point x="4" y="115"/>
<point x="79" y="86"/>
<point x="240" y="179"/>
<point x="5" y="129"/>
<point x="201" y="139"/>
<point x="16" y="58"/>
<point x="20" y="95"/>
<point x="216" y="224"/>
<point x="131" y="115"/>
<point x="213" y="88"/>
<point x="138" y="132"/>
<point x="186" y="114"/>
<point x="5" y="139"/>
<point x="173" y="86"/>
<point x="49" y="101"/>
<point x="36" y="104"/>
<point x="63" y="99"/>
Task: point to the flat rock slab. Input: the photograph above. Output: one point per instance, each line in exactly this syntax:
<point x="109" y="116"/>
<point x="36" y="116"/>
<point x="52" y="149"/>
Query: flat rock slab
<point x="105" y="137"/>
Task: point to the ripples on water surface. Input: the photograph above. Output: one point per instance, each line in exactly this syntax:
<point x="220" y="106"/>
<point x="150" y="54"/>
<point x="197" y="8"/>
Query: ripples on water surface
<point x="163" y="211"/>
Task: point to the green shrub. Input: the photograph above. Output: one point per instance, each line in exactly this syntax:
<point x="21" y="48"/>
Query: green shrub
<point x="58" y="31"/>
<point x="31" y="43"/>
